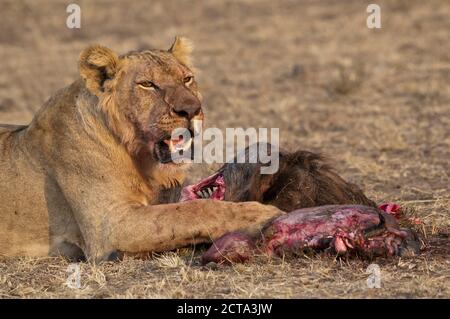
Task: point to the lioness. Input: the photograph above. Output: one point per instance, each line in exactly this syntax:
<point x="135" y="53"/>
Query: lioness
<point x="83" y="179"/>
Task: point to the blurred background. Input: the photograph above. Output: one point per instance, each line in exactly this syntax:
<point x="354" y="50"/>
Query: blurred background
<point x="375" y="101"/>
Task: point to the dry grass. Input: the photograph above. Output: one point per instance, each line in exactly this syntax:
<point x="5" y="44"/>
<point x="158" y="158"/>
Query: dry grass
<point x="377" y="102"/>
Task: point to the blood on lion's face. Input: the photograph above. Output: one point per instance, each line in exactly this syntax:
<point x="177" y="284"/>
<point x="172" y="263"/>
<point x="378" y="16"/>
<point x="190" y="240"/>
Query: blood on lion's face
<point x="146" y="96"/>
<point x="164" y="97"/>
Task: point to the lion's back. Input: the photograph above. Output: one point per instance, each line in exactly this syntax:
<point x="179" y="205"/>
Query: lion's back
<point x="7" y="141"/>
<point x="20" y="198"/>
<point x="11" y="128"/>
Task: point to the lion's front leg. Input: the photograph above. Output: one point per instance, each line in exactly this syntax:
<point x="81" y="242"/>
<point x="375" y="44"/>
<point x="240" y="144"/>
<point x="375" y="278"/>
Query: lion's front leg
<point x="166" y="227"/>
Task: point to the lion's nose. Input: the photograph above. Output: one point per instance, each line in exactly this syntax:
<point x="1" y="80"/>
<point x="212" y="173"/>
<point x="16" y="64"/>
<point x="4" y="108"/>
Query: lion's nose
<point x="188" y="108"/>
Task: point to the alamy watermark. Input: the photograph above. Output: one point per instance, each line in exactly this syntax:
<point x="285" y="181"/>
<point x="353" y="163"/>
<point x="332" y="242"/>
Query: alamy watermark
<point x="249" y="145"/>
<point x="374" y="280"/>
<point x="374" y="19"/>
<point x="73" y="20"/>
<point x="73" y="280"/>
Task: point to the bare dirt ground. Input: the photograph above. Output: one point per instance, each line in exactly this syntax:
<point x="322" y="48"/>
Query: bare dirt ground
<point x="376" y="102"/>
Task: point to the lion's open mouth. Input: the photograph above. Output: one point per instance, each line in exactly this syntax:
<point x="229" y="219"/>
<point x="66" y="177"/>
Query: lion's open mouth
<point x="170" y="149"/>
<point x="212" y="187"/>
<point x="178" y="145"/>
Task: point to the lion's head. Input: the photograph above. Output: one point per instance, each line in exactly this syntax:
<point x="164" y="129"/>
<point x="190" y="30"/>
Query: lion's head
<point x="145" y="96"/>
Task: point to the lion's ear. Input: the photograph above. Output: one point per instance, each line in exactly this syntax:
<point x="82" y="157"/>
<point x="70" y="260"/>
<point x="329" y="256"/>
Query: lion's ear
<point x="182" y="49"/>
<point x="97" y="64"/>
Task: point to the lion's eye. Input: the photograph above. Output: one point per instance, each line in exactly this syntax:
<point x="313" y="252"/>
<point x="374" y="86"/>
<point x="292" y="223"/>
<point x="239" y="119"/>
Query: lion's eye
<point x="188" y="80"/>
<point x="147" y="85"/>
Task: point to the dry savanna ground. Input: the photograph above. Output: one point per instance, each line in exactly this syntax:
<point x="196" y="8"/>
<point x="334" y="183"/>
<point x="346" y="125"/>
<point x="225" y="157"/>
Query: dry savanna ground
<point x="376" y="102"/>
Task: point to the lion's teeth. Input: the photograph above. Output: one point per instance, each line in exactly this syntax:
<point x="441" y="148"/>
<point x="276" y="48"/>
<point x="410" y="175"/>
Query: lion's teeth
<point x="186" y="145"/>
<point x="171" y="146"/>
<point x="180" y="146"/>
<point x="197" y="126"/>
<point x="205" y="194"/>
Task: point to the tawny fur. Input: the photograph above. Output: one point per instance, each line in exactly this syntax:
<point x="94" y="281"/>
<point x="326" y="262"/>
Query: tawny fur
<point x="81" y="179"/>
<point x="182" y="50"/>
<point x="91" y="60"/>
